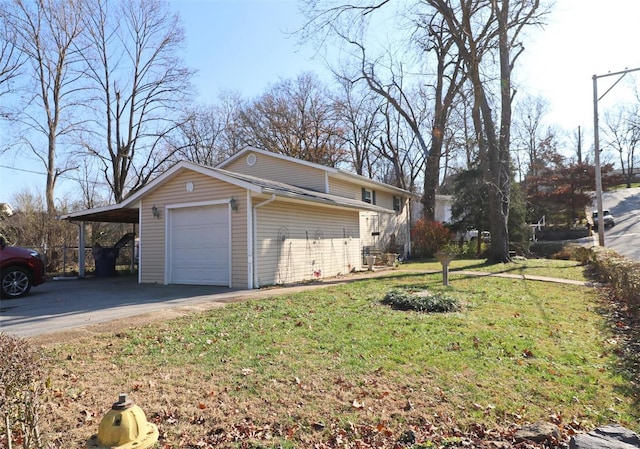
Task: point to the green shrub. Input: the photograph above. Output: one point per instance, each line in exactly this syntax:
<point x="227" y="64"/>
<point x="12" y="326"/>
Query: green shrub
<point x="422" y="301"/>
<point x="428" y="237"/>
<point x="546" y="249"/>
<point x="467" y="250"/>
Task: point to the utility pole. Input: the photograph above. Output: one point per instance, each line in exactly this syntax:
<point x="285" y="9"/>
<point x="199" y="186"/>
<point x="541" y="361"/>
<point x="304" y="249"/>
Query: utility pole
<point x="596" y="138"/>
<point x="579" y="145"/>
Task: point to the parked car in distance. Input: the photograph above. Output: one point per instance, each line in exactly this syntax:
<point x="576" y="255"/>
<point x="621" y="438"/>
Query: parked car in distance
<point x="472" y="234"/>
<point x="20" y="269"/>
<point x="607" y="219"/>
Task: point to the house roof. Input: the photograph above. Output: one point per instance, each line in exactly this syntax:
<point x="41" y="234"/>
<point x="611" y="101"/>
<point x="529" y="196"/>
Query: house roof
<point x="127" y="211"/>
<point x="297" y="193"/>
<point x="331" y="171"/>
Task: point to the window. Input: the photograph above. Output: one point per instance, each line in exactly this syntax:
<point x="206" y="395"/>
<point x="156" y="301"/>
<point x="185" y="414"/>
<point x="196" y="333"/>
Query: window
<point x="397" y="203"/>
<point x="368" y="196"/>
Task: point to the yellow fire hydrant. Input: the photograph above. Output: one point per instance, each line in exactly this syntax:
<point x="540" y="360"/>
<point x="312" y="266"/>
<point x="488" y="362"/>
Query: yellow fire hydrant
<point x="125" y="426"/>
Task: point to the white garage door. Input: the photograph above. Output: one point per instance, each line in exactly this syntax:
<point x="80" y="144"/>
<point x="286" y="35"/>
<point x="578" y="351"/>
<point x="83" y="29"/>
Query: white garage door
<point x="199" y="245"/>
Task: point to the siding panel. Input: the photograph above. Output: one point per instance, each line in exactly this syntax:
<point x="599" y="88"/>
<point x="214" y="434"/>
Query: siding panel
<point x="344" y="189"/>
<point x="297" y="243"/>
<point x="279" y="170"/>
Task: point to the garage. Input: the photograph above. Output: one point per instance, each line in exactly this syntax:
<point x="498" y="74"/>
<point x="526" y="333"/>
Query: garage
<point x="198" y="243"/>
<point x="233" y="227"/>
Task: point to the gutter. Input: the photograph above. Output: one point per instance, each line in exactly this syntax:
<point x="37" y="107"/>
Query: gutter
<point x="253" y="227"/>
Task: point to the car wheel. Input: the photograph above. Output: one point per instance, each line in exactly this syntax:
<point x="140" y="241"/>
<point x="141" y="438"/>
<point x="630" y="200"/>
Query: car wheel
<point x="16" y="282"/>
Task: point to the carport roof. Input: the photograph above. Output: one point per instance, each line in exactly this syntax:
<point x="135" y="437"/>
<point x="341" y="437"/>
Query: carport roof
<point x="109" y="214"/>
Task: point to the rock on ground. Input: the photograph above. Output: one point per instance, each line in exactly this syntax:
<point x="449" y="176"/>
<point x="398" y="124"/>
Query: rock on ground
<point x="606" y="437"/>
<point x="538" y="432"/>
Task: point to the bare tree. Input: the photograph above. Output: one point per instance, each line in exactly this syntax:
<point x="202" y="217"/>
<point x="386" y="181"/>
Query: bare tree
<point x="229" y="108"/>
<point x="409" y="105"/>
<point x="400" y="147"/>
<point x="209" y="134"/>
<point x="387" y="145"/>
<point x="622" y="133"/>
<point x="295" y="118"/>
<point x="200" y="133"/>
<point x="462" y="141"/>
<point x="433" y="38"/>
<point x="531" y="138"/>
<point x="485" y="32"/>
<point x="440" y="69"/>
<point x="11" y="59"/>
<point x="45" y="33"/>
<point x="133" y="60"/>
<point x="359" y="113"/>
<point x="92" y="190"/>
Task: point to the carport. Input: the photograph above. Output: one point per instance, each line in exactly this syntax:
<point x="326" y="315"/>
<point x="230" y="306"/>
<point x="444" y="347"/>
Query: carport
<point x="107" y="214"/>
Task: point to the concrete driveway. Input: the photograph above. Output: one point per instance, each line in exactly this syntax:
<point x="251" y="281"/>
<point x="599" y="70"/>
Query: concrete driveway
<point x="67" y="309"/>
<point x="60" y="305"/>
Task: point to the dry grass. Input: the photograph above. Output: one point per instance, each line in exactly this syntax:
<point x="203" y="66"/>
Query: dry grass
<point x="336" y="368"/>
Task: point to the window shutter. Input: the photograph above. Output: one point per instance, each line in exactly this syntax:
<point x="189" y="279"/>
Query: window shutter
<point x="373" y="199"/>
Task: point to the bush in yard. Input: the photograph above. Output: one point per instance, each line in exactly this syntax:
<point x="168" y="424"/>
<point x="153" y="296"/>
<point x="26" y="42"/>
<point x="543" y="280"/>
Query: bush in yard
<point x="21" y="384"/>
<point x="466" y="250"/>
<point x="578" y="253"/>
<point x="422" y="301"/>
<point x="428" y="237"/>
<point x="622" y="276"/>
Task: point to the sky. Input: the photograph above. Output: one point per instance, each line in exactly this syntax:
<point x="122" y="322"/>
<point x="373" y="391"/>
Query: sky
<point x="247" y="46"/>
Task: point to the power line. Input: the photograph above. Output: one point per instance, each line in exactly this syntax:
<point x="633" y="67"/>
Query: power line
<point x="24" y="170"/>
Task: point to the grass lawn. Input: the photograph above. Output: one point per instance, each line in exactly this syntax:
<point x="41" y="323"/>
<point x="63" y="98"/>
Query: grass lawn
<point x="334" y="367"/>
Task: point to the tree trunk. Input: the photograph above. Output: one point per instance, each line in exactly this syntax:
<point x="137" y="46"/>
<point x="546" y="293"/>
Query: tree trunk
<point x="51" y="174"/>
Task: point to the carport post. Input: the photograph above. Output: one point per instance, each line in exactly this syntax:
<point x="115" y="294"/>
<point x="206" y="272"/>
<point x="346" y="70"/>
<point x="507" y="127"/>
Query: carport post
<point x="81" y="243"/>
<point x="132" y="265"/>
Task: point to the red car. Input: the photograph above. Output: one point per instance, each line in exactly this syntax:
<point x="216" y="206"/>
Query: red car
<point x="20" y="270"/>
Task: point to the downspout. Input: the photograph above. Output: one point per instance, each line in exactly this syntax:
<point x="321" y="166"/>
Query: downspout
<point x="253" y="267"/>
<point x="140" y="243"/>
<point x="408" y="251"/>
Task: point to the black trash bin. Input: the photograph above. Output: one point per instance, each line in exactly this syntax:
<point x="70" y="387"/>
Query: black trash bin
<point x="105" y="261"/>
<point x="105" y="257"/>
